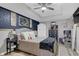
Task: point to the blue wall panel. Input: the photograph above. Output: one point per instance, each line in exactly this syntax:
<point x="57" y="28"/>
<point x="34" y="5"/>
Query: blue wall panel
<point x="5" y="20"/>
<point x="34" y="24"/>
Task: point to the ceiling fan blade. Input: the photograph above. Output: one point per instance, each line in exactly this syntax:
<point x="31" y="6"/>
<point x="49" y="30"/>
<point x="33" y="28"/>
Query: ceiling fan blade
<point x="48" y="4"/>
<point x="39" y="3"/>
<point x="42" y="4"/>
<point x="37" y="8"/>
<point x="50" y="8"/>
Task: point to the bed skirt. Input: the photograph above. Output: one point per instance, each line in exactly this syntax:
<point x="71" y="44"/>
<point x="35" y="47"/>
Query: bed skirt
<point x="33" y="48"/>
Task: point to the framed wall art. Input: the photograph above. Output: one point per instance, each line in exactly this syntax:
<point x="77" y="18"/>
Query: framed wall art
<point x="23" y="21"/>
<point x="13" y="19"/>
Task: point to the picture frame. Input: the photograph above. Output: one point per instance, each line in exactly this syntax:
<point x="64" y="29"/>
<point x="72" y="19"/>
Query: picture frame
<point x="23" y="21"/>
<point x="13" y="19"/>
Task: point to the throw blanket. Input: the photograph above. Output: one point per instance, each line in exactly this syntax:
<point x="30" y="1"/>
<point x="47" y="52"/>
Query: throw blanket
<point x="47" y="44"/>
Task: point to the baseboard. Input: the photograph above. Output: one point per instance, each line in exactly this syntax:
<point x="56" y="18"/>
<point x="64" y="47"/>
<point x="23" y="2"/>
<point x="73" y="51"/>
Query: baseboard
<point x="3" y="53"/>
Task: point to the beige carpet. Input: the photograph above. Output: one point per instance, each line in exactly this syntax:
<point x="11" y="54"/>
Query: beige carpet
<point x="63" y="51"/>
<point x="18" y="53"/>
<point x="21" y="53"/>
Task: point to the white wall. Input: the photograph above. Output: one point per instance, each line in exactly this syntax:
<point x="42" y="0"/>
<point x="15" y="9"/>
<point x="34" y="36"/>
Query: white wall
<point x="3" y="36"/>
<point x="42" y="30"/>
<point x="47" y="27"/>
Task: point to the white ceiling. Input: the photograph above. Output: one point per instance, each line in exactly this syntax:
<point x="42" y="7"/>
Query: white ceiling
<point x="62" y="11"/>
<point x="47" y="12"/>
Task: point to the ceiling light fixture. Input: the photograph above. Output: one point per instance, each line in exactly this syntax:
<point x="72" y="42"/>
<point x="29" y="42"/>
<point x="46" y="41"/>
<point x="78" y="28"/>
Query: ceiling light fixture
<point x="43" y="8"/>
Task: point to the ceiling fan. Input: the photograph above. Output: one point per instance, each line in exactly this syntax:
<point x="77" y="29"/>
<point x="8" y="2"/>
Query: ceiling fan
<point x="44" y="6"/>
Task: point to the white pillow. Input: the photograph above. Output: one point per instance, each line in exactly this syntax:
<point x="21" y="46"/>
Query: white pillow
<point x="32" y="34"/>
<point x="26" y="35"/>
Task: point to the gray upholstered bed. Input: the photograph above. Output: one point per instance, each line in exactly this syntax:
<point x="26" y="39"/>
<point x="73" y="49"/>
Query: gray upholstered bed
<point x="33" y="47"/>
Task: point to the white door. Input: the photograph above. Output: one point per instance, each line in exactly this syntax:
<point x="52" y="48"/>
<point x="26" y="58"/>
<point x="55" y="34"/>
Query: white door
<point x="77" y="40"/>
<point x="74" y="36"/>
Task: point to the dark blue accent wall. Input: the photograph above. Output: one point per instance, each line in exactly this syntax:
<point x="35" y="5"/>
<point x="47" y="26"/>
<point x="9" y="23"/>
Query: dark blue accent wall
<point x="5" y="20"/>
<point x="34" y="24"/>
<point x="5" y="16"/>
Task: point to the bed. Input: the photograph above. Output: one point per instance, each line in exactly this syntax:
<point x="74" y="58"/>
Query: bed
<point x="36" y="46"/>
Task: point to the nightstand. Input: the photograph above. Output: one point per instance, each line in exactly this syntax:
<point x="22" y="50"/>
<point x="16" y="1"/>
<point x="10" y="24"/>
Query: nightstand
<point x="11" y="44"/>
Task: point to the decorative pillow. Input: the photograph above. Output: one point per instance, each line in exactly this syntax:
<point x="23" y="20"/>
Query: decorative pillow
<point x="22" y="37"/>
<point x="25" y="34"/>
<point x="32" y="34"/>
<point x="28" y="35"/>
